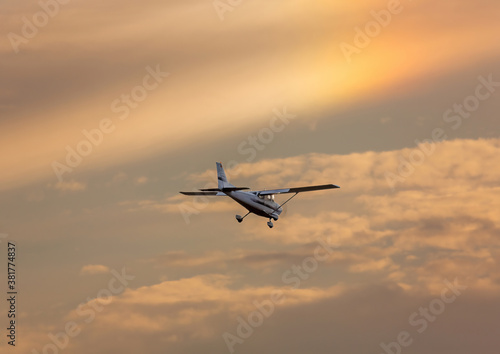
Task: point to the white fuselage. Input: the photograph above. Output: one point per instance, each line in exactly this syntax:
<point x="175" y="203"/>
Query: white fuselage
<point x="263" y="206"/>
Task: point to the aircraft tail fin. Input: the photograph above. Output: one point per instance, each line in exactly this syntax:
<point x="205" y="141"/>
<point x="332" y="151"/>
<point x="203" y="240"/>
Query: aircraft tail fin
<point x="221" y="178"/>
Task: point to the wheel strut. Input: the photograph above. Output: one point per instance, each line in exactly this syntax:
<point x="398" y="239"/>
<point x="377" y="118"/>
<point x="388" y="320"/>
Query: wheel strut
<point x="240" y="218"/>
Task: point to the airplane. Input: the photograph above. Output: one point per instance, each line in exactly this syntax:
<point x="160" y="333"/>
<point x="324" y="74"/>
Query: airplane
<point x="260" y="203"/>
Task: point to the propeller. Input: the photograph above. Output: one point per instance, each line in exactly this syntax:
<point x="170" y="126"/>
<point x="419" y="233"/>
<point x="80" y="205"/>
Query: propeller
<point x="285" y="210"/>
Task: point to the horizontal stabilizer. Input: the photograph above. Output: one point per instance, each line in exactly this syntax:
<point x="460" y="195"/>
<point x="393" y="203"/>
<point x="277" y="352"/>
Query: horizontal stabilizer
<point x="227" y="189"/>
<point x="232" y="189"/>
<point x="204" y="193"/>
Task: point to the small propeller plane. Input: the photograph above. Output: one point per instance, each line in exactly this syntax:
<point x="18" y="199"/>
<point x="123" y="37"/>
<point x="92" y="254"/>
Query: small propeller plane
<point x="260" y="203"/>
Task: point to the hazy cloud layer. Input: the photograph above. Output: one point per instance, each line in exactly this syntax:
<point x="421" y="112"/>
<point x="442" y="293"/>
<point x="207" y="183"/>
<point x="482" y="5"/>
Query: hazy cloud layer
<point x="392" y="253"/>
<point x="135" y="101"/>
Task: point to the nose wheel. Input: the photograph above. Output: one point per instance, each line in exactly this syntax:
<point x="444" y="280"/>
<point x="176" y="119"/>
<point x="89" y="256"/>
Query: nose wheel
<point x="270" y="224"/>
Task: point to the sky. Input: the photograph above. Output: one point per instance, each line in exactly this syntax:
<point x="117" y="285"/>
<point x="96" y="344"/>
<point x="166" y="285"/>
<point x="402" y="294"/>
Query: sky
<point x="109" y="109"/>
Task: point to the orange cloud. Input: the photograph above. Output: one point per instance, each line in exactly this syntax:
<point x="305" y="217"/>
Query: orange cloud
<point x="448" y="205"/>
<point x="69" y="186"/>
<point x="91" y="269"/>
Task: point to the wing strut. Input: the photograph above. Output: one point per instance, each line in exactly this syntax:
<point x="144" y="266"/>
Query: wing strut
<point x="286" y="201"/>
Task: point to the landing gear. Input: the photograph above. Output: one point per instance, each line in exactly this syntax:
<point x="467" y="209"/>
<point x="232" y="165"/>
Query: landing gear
<point x="240" y="218"/>
<point x="270" y="224"/>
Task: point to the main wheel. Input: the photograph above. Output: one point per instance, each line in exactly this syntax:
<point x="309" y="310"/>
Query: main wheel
<point x="239" y="218"/>
<point x="270" y="224"/>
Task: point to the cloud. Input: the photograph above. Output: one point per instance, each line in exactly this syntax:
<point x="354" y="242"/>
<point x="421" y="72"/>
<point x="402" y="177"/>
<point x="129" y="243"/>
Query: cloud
<point x="445" y="209"/>
<point x="190" y="315"/>
<point x="92" y="269"/>
<point x="451" y="166"/>
<point x="373" y="266"/>
<point x="196" y="309"/>
<point x="141" y="180"/>
<point x="216" y="260"/>
<point x="120" y="176"/>
<point x="182" y="205"/>
<point x="394" y="252"/>
<point x="69" y="186"/>
<point x="181" y="259"/>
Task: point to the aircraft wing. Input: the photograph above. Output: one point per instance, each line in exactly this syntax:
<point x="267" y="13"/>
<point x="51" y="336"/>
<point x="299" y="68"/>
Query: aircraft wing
<point x="204" y="193"/>
<point x="297" y="189"/>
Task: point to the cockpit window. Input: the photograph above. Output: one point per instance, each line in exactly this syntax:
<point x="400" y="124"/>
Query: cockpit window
<point x="267" y="197"/>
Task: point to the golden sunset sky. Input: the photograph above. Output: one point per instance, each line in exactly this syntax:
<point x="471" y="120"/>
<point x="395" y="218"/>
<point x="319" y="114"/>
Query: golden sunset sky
<point x="109" y="109"/>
